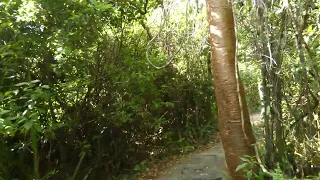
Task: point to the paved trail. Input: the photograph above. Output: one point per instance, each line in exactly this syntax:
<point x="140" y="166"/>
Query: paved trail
<point x="206" y="165"/>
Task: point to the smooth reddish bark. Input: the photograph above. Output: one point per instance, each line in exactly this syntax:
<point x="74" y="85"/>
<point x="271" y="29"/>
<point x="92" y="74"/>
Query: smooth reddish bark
<point x="235" y="127"/>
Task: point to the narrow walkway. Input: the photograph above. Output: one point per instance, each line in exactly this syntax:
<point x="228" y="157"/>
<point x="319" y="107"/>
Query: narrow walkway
<point x="206" y="165"/>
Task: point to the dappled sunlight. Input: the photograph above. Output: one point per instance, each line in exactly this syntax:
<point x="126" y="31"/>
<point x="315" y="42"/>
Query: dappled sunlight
<point x="27" y="11"/>
<point x="214" y="15"/>
<point x="215" y="31"/>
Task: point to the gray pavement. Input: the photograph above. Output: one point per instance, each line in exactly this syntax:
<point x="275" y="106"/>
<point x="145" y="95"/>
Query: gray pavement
<point x="206" y="165"/>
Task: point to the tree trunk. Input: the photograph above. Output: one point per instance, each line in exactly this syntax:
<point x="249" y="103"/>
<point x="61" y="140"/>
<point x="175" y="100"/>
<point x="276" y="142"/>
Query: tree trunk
<point x="266" y="115"/>
<point x="266" y="94"/>
<point x="235" y="127"/>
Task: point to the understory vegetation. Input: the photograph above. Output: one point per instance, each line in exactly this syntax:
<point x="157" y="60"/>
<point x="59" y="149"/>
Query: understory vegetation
<point x="281" y="40"/>
<point x="94" y="89"/>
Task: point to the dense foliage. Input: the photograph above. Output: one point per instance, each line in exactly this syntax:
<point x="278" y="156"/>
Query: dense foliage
<point x="79" y="97"/>
<point x="93" y="89"/>
<point x="281" y="39"/>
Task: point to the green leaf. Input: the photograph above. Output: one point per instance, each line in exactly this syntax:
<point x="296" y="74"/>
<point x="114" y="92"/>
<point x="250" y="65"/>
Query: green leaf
<point x="35" y="81"/>
<point x="245" y="159"/>
<point x="41" y="95"/>
<point x="249" y="174"/>
<point x="106" y="6"/>
<point x="93" y="1"/>
<point x="309" y="29"/>
<point x="37" y="127"/>
<point x="34" y="140"/>
<point x="137" y="167"/>
<point x="42" y="110"/>
<point x="241" y="166"/>
<point x="22" y="84"/>
<point x="103" y="7"/>
<point x="2" y="123"/>
<point x="45" y="86"/>
<point x="11" y="118"/>
<point x="28" y="125"/>
<point x="8" y="93"/>
<point x="2" y="112"/>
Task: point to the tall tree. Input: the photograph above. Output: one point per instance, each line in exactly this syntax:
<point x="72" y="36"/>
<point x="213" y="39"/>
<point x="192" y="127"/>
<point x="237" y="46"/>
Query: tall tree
<point x="235" y="127"/>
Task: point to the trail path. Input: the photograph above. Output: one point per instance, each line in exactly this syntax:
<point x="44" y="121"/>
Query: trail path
<point x="206" y="165"/>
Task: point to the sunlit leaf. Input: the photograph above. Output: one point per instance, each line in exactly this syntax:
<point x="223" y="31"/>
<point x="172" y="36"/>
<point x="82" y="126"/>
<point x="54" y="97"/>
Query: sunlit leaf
<point x="241" y="166"/>
<point x="35" y="81"/>
<point x="309" y="29"/>
<point x="45" y="86"/>
<point x="22" y="84"/>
